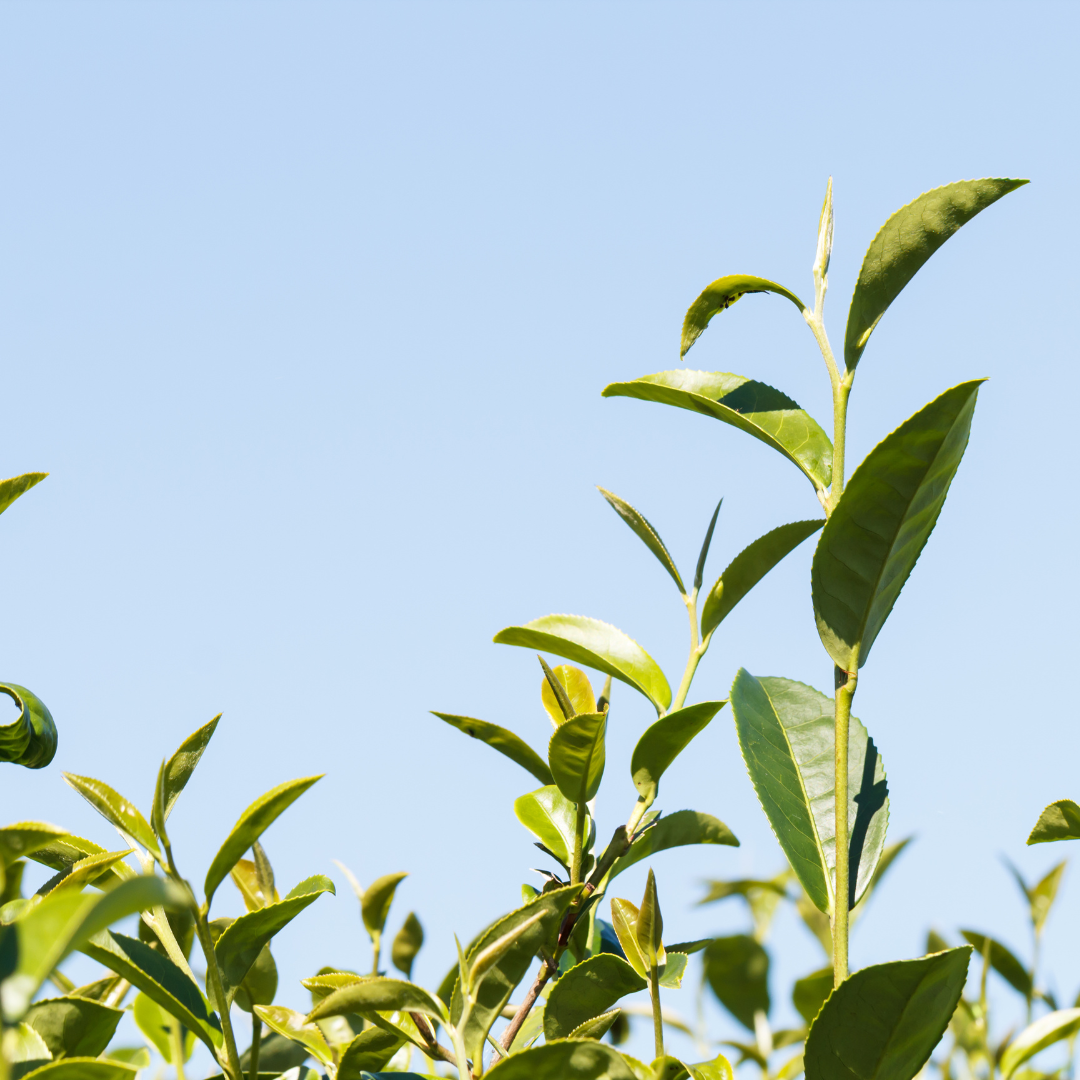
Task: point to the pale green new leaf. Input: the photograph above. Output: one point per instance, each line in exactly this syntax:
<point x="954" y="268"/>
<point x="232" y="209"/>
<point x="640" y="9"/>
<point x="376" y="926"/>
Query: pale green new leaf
<point x="1059" y="821"/>
<point x="664" y="741"/>
<point x="12" y="489"/>
<point x="576" y="756"/>
<point x="506" y="742"/>
<point x="24" y="838"/>
<point x="719" y="296"/>
<point x="65" y="852"/>
<point x="115" y="809"/>
<point x="597" y="1027"/>
<point x="680" y="829"/>
<point x="376" y="901"/>
<point x="31" y="739"/>
<point x="646" y="533"/>
<point x="587" y="991"/>
<point x="597" y="645"/>
<point x="549" y="815"/>
<point x="181" y="765"/>
<point x="564" y="1059"/>
<point x="297" y="1027"/>
<point x="159" y="1027"/>
<point x="1047" y="1030"/>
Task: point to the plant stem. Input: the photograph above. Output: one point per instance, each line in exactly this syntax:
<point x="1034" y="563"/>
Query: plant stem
<point x="697" y="651"/>
<point x="256" y="1043"/>
<point x="217" y="990"/>
<point x="845" y="690"/>
<point x="547" y="969"/>
<point x="376" y="948"/>
<point x="657" y="1015"/>
<point x="579" y="843"/>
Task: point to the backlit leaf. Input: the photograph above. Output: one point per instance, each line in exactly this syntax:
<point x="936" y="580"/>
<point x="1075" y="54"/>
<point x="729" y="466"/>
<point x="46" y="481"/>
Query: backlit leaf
<point x="295" y="1026"/>
<point x="12" y="489"/>
<point x="719" y="296"/>
<point x="181" y="765"/>
<point x="574" y="690"/>
<point x="30" y="740"/>
<point x="576" y="756"/>
<point x="506" y="742"/>
<point x="664" y="741"/>
<point x="64" y="852"/>
<point x="564" y="1059"/>
<point x="680" y="829"/>
<point x="1059" y="821"/>
<point x="1047" y="1030"/>
<point x="549" y="815"/>
<point x="376" y="901"/>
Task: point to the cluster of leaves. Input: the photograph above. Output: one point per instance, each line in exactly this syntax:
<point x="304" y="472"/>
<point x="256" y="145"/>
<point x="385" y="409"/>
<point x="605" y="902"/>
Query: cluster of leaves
<point x="573" y="951"/>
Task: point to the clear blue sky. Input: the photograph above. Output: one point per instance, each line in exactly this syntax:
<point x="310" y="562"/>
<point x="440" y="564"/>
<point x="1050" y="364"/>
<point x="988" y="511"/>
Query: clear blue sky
<point x="307" y="308"/>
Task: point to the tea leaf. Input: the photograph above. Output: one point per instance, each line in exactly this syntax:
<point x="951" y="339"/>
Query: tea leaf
<point x="254" y="821"/>
<point x="83" y="1068"/>
<point x="407" y="944"/>
<point x="665" y="741"/>
<point x="752" y="407"/>
<point x="624" y="918"/>
<point x="885" y="1020"/>
<point x="1047" y="1030"/>
<point x="719" y="296"/>
<point x="17" y="486"/>
<point x="699" y="572"/>
<point x="903" y="245"/>
<point x="506" y="742"/>
<point x="646" y="533"/>
<point x="597" y="645"/>
<point x="717" y="1069"/>
<point x="1059" y="821"/>
<point x="26" y="837"/>
<point x="181" y="765"/>
<point x="67" y="850"/>
<point x="116" y="810"/>
<point x="87" y="870"/>
<point x="749" y="567"/>
<point x="295" y="1026"/>
<point x="649" y="927"/>
<point x="370" y="1051"/>
<point x="73" y="1026"/>
<point x="676" y="830"/>
<point x="597" y="1027"/>
<point x="1002" y="960"/>
<point x="811" y="992"/>
<point x="673" y="969"/>
<point x="379" y="995"/>
<point x="24" y="1048"/>
<point x="787" y="739"/>
<point x="737" y="970"/>
<point x="30" y="740"/>
<point x="376" y="901"/>
<point x="881" y="523"/>
<point x="158" y="1026"/>
<point x="587" y="991"/>
<point x="565" y="1059"/>
<point x="576" y="756"/>
<point x="548" y="814"/>
<point x="566" y="692"/>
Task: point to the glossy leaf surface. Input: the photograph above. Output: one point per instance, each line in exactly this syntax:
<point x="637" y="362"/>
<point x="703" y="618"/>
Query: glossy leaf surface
<point x="73" y="1026"/>
<point x="903" y="245"/>
<point x="787" y="739"/>
<point x="753" y="407"/>
<point x="181" y="765"/>
<point x="1047" y="1030"/>
<point x="31" y="739"/>
<point x="576" y="756"/>
<point x="379" y="995"/>
<point x="548" y="814"/>
<point x="1059" y="821"/>
<point x="883" y="1022"/>
<point x="719" y="296"/>
<point x="597" y="645"/>
<point x="567" y="1059"/>
<point x="295" y="1026"/>
<point x="506" y="742"/>
<point x="880" y="525"/>
<point x="664" y="741"/>
<point x="597" y="1027"/>
<point x="749" y="567"/>
<point x="62" y="853"/>
<point x="624" y="919"/>
<point x="737" y="970"/>
<point x="115" y="809"/>
<point x="645" y="533"/>
<point x="680" y="829"/>
<point x="573" y="688"/>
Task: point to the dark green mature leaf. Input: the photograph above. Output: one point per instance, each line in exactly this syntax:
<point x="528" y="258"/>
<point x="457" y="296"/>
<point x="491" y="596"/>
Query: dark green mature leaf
<point x="30" y="740"/>
<point x="676" y="830"/>
<point x="1002" y="960"/>
<point x="368" y="1052"/>
<point x="586" y="991"/>
<point x="73" y="1026"/>
<point x="84" y="1068"/>
<point x="719" y="296"/>
<point x="646" y="533"/>
<point x="378" y="995"/>
<point x="181" y="765"/>
<point x="880" y="525"/>
<point x="548" y="814"/>
<point x="115" y="809"/>
<point x="12" y="489"/>
<point x="1047" y="1030"/>
<point x="254" y="821"/>
<point x="597" y="645"/>
<point x="376" y="901"/>
<point x="737" y="970"/>
<point x="750" y="406"/>
<point x="239" y="946"/>
<point x="499" y="983"/>
<point x="407" y="944"/>
<point x="278" y="1053"/>
<point x="665" y="741"/>
<point x="566" y="1059"/>
<point x="65" y="852"/>
<point x="576" y="756"/>
<point x="811" y="992"/>
<point x="506" y="742"/>
<point x="159" y="979"/>
<point x="787" y="739"/>
<point x="904" y="243"/>
<point x="1059" y="821"/>
<point x="884" y="1021"/>
<point x="749" y="567"/>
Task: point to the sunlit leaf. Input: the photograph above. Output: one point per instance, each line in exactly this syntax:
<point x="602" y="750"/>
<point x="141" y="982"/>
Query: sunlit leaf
<point x="680" y="829"/>
<point x="181" y="765"/>
<point x="378" y="995"/>
<point x="664" y="741"/>
<point x="1047" y="1030"/>
<point x="646" y="533"/>
<point x="26" y="837"/>
<point x="506" y="742"/>
<point x="586" y="991"/>
<point x="565" y="1059"/>
<point x="376" y="901"/>
<point x="576" y="756"/>
<point x="573" y="689"/>
<point x="549" y="815"/>
<point x="73" y="1026"/>
<point x="12" y="489"/>
<point x="597" y="1027"/>
<point x="1059" y="821"/>
<point x="30" y="740"/>
<point x="64" y="852"/>
<point x="297" y="1027"/>
<point x="83" y="1068"/>
<point x="719" y="296"/>
<point x="115" y="809"/>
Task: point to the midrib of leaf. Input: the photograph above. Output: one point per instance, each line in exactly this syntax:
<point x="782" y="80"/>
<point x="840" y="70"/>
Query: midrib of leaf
<point x="898" y="1024"/>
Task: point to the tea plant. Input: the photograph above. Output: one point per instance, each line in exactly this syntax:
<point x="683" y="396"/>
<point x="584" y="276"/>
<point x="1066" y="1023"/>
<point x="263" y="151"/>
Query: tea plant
<point x="805" y="753"/>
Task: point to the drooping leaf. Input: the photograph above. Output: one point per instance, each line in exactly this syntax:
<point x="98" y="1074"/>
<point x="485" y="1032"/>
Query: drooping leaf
<point x="749" y="567"/>
<point x="369" y="1052"/>
<point x="904" y="243"/>
<point x="254" y="821"/>
<point x="12" y="489"/>
<point x="378" y="994"/>
<point x="1003" y="960"/>
<point x="159" y="1027"/>
<point x="1059" y="821"/>
<point x="64" y="852"/>
<point x="645" y="533"/>
<point x="239" y="946"/>
<point x="576" y="756"/>
<point x="586" y="991"/>
<point x="883" y="1022"/>
<point x="737" y="970"/>
<point x="72" y="1026"/>
<point x="548" y="814"/>
<point x="719" y="296"/>
<point x="881" y="523"/>
<point x="506" y="742"/>
<point x="295" y="1026"/>
<point x="787" y="739"/>
<point x="30" y="740"/>
<point x="566" y="692"/>
<point x="811" y="992"/>
<point x="83" y="1068"/>
<point x="752" y="407"/>
<point x="115" y="809"/>
<point x="565" y="1059"/>
<point x="664" y="741"/>
<point x="597" y="645"/>
<point x="680" y="829"/>
<point x="181" y="765"/>
<point x="1047" y="1030"/>
<point x="407" y="943"/>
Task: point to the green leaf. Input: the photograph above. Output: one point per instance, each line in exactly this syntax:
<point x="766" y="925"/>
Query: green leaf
<point x="72" y="1026"/>
<point x="1002" y="960"/>
<point x="278" y="1054"/>
<point x="904" y="243"/>
<point x="116" y="810"/>
<point x="1047" y="1030"/>
<point x="646" y="533"/>
<point x="181" y="765"/>
<point x="254" y="821"/>
<point x="717" y="1069"/>
<point x="1043" y="895"/>
<point x="499" y="983"/>
<point x="753" y="407"/>
<point x="664" y="742"/>
<point x="506" y="742"/>
<point x="86" y="870"/>
<point x="378" y="995"/>
<point x="576" y="756"/>
<point x="673" y="969"/>
<point x="30" y="740"/>
<point x="566" y="1059"/>
<point x="12" y="489"/>
<point x="719" y="296"/>
<point x="295" y="1026"/>
<point x="239" y="946"/>
<point x="597" y="1027"/>
<point x="407" y="944"/>
<point x="587" y="991"/>
<point x="26" y="837"/>
<point x="811" y="992"/>
<point x="881" y="523"/>
<point x="1059" y="821"/>
<point x="160" y="979"/>
<point x="24" y="1049"/>
<point x="376" y="901"/>
<point x="624" y="918"/>
<point x="737" y="970"/>
<point x="136" y="1056"/>
<point x="680" y="829"/>
<point x="566" y="692"/>
<point x="787" y="738"/>
<point x="63" y="853"/>
<point x="548" y="814"/>
<point x="158" y="1026"/>
<point x="597" y="645"/>
<point x="884" y="1021"/>
<point x="260" y="983"/>
<point x="699" y="572"/>
<point x="84" y="1068"/>
<point x="749" y="567"/>
<point x="370" y="1051"/>
<point x="649" y="927"/>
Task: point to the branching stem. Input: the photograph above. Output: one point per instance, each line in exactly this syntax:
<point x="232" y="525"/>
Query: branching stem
<point x="698" y="649"/>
